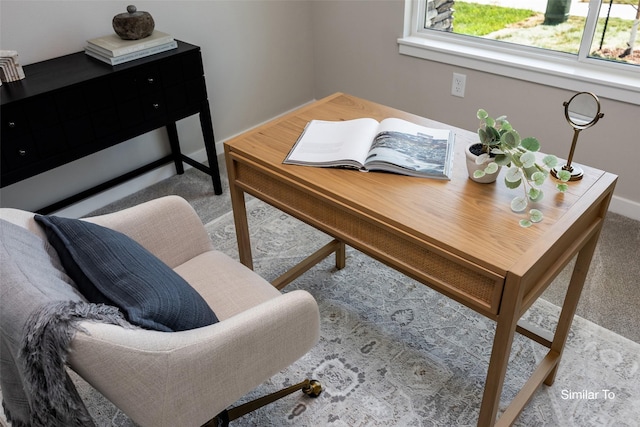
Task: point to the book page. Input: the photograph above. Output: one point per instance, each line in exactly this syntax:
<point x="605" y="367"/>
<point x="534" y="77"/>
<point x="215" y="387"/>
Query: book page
<point x="413" y="147"/>
<point x="331" y="142"/>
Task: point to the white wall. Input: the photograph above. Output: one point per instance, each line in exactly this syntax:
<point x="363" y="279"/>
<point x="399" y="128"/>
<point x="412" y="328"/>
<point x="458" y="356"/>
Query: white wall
<point x="355" y="51"/>
<point x="263" y="58"/>
<point x="257" y="59"/>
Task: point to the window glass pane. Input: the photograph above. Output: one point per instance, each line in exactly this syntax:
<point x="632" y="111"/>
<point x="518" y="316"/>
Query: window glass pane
<point x="557" y="25"/>
<point x="616" y="35"/>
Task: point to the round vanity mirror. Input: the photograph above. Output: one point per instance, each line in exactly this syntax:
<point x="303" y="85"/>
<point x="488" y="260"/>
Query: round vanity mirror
<point x="582" y="110"/>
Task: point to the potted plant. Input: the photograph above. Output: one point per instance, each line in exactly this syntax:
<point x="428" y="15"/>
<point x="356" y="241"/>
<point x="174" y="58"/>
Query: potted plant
<point x="480" y="164"/>
<point x="502" y="146"/>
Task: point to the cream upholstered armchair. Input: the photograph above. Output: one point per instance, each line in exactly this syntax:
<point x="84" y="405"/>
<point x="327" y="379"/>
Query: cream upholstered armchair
<point x="190" y="377"/>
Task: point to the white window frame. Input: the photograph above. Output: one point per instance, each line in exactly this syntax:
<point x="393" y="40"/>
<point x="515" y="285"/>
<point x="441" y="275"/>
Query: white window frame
<point x="567" y="71"/>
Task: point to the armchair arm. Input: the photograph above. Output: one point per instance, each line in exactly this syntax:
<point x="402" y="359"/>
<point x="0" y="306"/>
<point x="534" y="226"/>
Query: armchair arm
<point x="168" y="227"/>
<point x="194" y="375"/>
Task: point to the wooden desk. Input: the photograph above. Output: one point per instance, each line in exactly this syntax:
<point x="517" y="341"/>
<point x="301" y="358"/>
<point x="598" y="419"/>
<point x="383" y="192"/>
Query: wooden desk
<point x="457" y="237"/>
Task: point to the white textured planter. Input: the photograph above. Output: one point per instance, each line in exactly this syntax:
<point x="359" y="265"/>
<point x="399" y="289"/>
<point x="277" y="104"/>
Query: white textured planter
<point x="472" y="166"/>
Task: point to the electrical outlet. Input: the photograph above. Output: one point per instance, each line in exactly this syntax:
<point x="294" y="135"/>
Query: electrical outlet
<point x="457" y="85"/>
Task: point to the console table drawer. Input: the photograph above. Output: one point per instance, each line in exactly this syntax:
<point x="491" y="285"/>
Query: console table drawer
<point x="14" y="123"/>
<point x="27" y="139"/>
<point x="18" y="153"/>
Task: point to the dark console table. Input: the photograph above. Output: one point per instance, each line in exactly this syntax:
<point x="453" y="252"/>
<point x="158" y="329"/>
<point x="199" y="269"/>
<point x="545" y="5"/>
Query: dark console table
<point x="72" y="106"/>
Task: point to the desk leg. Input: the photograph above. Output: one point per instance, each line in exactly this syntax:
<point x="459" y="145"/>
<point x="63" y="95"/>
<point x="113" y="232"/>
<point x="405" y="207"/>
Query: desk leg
<point x="341" y="256"/>
<point x="502" y="342"/>
<point x="174" y="143"/>
<point x="578" y="277"/>
<point x="239" y="216"/>
<point x="507" y="322"/>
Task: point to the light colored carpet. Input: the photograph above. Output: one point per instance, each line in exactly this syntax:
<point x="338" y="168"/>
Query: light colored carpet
<point x="394" y="352"/>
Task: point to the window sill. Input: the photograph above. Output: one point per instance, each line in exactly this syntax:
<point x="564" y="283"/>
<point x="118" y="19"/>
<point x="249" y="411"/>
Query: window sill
<point x="548" y="68"/>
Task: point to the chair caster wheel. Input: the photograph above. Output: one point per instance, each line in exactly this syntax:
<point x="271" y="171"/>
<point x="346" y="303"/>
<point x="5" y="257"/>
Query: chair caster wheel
<point x="313" y="389"/>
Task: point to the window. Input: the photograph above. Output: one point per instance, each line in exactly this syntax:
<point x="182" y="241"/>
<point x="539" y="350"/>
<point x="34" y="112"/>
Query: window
<point x="572" y="45"/>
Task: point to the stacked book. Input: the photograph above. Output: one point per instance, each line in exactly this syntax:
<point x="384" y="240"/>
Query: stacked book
<point x="114" y="50"/>
<point x="10" y="68"/>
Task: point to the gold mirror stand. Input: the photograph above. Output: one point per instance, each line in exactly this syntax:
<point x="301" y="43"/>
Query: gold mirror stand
<point x="582" y="111"/>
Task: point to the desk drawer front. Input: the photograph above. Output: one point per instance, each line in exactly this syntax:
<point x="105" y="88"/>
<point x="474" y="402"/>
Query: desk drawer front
<point x="470" y="285"/>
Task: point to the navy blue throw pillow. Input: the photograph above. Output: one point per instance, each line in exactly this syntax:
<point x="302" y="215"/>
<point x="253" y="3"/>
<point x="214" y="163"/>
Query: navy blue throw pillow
<point x="111" y="268"/>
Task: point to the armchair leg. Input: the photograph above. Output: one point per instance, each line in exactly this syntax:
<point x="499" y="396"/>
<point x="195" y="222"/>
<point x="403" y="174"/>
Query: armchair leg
<point x="311" y="388"/>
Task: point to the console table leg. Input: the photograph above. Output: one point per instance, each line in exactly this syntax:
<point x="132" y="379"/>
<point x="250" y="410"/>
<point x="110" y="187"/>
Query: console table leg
<point x="210" y="146"/>
<point x="174" y="143"/>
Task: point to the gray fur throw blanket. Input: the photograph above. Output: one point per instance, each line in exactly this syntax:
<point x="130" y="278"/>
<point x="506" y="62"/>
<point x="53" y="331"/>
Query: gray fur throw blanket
<point x="41" y="363"/>
<point x="39" y="315"/>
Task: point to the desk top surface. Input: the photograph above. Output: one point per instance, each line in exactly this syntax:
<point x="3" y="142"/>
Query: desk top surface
<point x="467" y="219"/>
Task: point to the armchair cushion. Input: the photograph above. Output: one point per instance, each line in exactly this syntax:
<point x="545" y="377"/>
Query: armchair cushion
<point x="111" y="268"/>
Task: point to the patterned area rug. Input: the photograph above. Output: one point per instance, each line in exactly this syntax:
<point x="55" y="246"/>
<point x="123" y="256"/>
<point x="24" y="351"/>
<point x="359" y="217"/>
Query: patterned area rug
<point x="394" y="352"/>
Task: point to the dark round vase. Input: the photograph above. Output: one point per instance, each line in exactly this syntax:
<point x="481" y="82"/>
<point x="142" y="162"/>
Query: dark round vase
<point x="133" y="25"/>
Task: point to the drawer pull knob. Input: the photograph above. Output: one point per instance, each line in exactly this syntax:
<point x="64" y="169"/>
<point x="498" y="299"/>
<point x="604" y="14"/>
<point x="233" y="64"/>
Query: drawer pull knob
<point x="22" y="152"/>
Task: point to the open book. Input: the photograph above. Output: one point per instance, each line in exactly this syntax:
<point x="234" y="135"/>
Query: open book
<point x="392" y="145"/>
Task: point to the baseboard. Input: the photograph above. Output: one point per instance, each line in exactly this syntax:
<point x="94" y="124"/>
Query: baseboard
<point x="134" y="185"/>
<point x="625" y="207"/>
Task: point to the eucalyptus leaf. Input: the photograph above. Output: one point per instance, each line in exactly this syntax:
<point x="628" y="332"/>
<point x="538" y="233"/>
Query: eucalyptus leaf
<point x="518" y="204"/>
<point x="512" y="185"/>
<point x="530" y="143"/>
<point x="478" y="173"/>
<point x="550" y="161"/>
<point x="538" y="178"/>
<point x="564" y="175"/>
<point x="535" y="215"/>
<point x="511" y="138"/>
<point x="502" y="160"/>
<point x="483" y="136"/>
<point x="528" y="159"/>
<point x="530" y="171"/>
<point x="535" y="194"/>
<point x="493" y="133"/>
<point x="562" y="187"/>
<point x="525" y="223"/>
<point x="514" y="174"/>
<point x="482" y="158"/>
<point x="491" y="168"/>
<point x="482" y="114"/>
